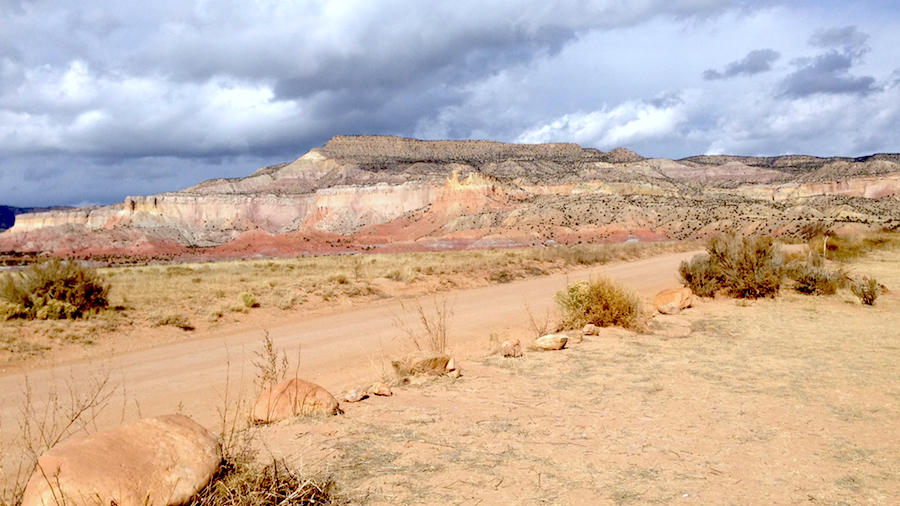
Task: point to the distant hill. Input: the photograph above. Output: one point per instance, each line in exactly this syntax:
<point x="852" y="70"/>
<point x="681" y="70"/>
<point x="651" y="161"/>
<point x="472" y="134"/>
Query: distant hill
<point x="372" y="193"/>
<point x="8" y="213"/>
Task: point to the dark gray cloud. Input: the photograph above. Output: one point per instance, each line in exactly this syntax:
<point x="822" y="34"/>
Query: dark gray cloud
<point x="756" y="61"/>
<point x="829" y="73"/>
<point x="103" y="99"/>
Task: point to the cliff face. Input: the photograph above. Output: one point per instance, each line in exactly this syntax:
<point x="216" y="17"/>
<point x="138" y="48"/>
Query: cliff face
<point x="381" y="190"/>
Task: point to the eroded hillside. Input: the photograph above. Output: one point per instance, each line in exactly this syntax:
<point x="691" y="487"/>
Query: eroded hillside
<point x="389" y="193"/>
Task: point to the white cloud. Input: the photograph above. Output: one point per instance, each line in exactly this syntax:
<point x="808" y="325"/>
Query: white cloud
<point x="627" y="124"/>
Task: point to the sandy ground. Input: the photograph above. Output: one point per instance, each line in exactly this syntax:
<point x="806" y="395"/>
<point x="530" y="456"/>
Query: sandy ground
<point x="336" y="350"/>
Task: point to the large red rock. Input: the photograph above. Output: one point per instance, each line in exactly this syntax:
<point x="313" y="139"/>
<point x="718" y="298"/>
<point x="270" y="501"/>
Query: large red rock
<point x="292" y="398"/>
<point x="674" y="300"/>
<point x="157" y="461"/>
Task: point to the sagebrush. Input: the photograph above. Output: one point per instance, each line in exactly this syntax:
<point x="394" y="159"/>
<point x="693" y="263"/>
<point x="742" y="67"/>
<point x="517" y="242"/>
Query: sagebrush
<point x="813" y="277"/>
<point x="747" y="267"/>
<point x="53" y="289"/>
<point x="601" y="301"/>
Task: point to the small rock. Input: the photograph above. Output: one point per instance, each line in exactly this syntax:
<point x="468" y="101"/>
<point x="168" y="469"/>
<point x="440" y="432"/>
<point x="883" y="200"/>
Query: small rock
<point x="551" y="342"/>
<point x="379" y="388"/>
<point x="674" y="300"/>
<point x="422" y="362"/>
<point x="591" y="330"/>
<point x="511" y="348"/>
<point x="160" y="461"/>
<point x="356" y="395"/>
<point x="292" y="398"/>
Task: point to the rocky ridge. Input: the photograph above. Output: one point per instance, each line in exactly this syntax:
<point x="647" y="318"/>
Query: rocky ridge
<point x="368" y="192"/>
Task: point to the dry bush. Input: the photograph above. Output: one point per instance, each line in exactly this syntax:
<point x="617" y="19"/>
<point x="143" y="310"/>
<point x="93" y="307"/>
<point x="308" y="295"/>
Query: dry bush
<point x="866" y="289"/>
<point x="52" y="290"/>
<point x="601" y="301"/>
<point x="271" y="367"/>
<point x="813" y="277"/>
<point x="426" y="328"/>
<point x="747" y="267"/>
<point x="700" y="276"/>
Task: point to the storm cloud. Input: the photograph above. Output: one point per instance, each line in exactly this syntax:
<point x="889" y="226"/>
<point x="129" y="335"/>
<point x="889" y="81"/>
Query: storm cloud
<point x="108" y="99"/>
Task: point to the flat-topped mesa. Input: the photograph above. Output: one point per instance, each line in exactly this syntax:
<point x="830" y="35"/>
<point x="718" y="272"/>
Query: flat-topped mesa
<point x="377" y="150"/>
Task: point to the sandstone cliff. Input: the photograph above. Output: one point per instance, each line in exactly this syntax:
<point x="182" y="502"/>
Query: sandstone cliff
<point x="376" y="191"/>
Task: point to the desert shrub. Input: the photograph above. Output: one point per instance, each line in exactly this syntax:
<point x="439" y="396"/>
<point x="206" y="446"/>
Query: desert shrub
<point x="174" y="319"/>
<point x="750" y="267"/>
<point x="866" y="289"/>
<point x="601" y="301"/>
<point x="700" y="276"/>
<point x="812" y="280"/>
<point x="249" y="300"/>
<point x="53" y="289"/>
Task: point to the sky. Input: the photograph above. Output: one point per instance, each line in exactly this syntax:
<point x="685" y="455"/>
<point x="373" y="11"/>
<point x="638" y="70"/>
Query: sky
<point x="102" y="99"/>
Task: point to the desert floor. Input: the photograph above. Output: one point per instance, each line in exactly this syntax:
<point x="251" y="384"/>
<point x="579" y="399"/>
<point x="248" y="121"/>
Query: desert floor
<point x="784" y="401"/>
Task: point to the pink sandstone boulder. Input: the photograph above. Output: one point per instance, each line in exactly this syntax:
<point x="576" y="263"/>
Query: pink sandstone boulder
<point x="157" y="461"/>
<point x="674" y="300"/>
<point x="422" y="362"/>
<point x="292" y="398"/>
<point x="551" y="342"/>
<point x="380" y="388"/>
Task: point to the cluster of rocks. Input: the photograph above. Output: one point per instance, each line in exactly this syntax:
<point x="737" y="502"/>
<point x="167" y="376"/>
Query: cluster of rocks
<point x="167" y="460"/>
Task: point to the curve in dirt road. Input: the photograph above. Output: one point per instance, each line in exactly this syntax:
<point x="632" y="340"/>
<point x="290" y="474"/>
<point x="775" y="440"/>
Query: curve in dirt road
<point x="337" y="351"/>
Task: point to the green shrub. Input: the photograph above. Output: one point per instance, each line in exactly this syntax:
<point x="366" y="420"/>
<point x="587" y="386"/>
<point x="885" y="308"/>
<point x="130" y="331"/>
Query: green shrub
<point x="866" y="289"/>
<point x="700" y="276"/>
<point x="249" y="300"/>
<point x="52" y="290"/>
<point x="601" y="301"/>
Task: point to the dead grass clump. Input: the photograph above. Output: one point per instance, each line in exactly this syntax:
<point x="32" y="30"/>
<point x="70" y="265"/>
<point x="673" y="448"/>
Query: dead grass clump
<point x="601" y="301"/>
<point x="242" y="482"/>
<point x="174" y="319"/>
<point x="866" y="289"/>
<point x="53" y="290"/>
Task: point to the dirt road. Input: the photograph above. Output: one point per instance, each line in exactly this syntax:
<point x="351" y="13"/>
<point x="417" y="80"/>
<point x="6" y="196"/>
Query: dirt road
<point x="337" y="351"/>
